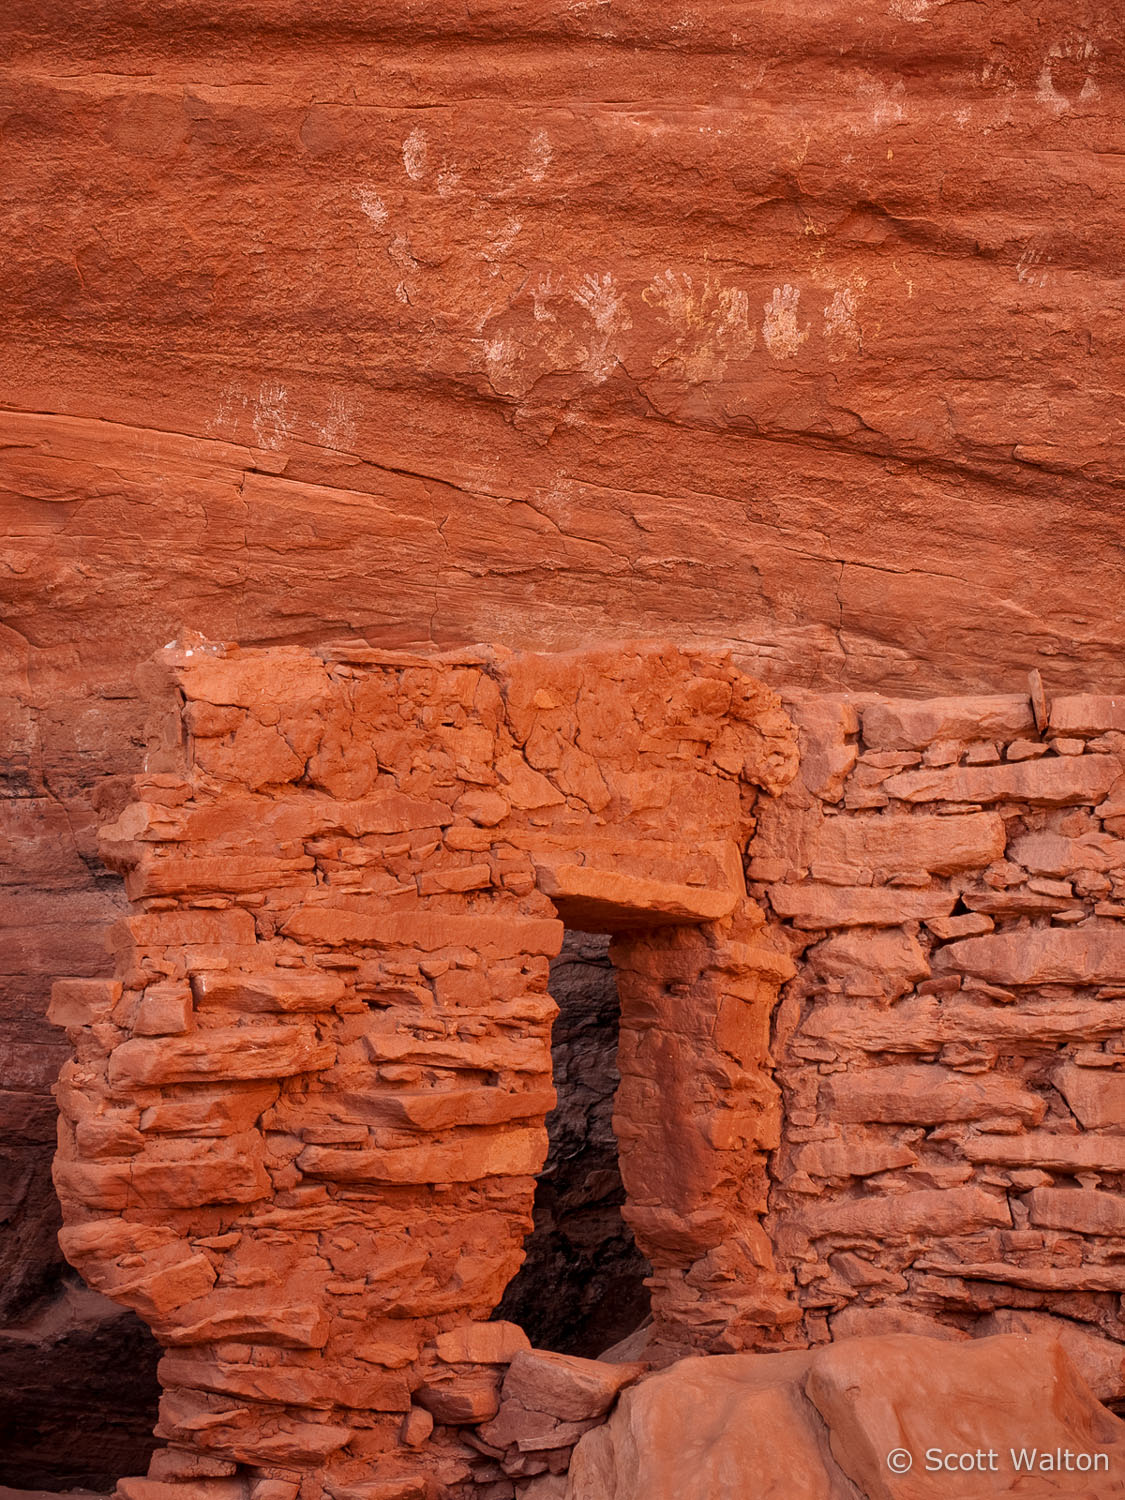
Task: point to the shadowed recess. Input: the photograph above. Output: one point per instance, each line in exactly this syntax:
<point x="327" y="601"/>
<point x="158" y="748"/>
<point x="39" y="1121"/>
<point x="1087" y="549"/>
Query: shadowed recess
<point x="581" y="1288"/>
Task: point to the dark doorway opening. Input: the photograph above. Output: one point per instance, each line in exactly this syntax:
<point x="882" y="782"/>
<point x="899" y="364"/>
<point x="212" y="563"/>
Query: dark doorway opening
<point x="581" y="1287"/>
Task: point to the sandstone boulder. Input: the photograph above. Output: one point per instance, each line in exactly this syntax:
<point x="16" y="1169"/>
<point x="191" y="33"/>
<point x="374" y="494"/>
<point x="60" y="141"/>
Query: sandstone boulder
<point x="891" y="1418"/>
<point x="1100" y="1361"/>
<point x="481" y="1343"/>
<point x="564" y="1386"/>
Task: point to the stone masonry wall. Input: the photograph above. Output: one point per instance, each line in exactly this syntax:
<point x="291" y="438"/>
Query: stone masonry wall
<point x="951" y="877"/>
<point x="301" y="1128"/>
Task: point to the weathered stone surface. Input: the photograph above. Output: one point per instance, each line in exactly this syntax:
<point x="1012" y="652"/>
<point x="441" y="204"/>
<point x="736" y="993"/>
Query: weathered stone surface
<point x="371" y="924"/>
<point x="516" y="1153"/>
<point x="821" y="1423"/>
<point x="1100" y="1361"/>
<point x="172" y="1173"/>
<point x="1053" y="854"/>
<point x="352" y="1386"/>
<point x="1087" y="713"/>
<point x="481" y="1343"/>
<point x="226" y="874"/>
<point x="164" y="1278"/>
<point x="280" y="1321"/>
<point x="566" y="1387"/>
<point x="944" y="1212"/>
<point x="229" y="930"/>
<point x="1053" y="782"/>
<point x="894" y="843"/>
<point x="208" y="1109"/>
<point x="927" y="1096"/>
<point x="703" y="1425"/>
<point x="543" y="1487"/>
<point x="462" y="1400"/>
<point x="833" y="1159"/>
<point x="923" y="1025"/>
<point x="827" y="729"/>
<point x="283" y="990"/>
<point x="822" y="906"/>
<point x="164" y="1010"/>
<point x="82" y="1002"/>
<point x="970" y="924"/>
<point x="1041" y="1148"/>
<point x="997" y="1397"/>
<point x="239" y="1053"/>
<point x="910" y="724"/>
<point x="1093" y="953"/>
<point x="1095" y="1097"/>
<point x="1025" y="750"/>
<point x="1024" y="902"/>
<point x="1081" y="1209"/>
<point x="871" y="961"/>
<point x="530" y="1431"/>
<point x="861" y="1320"/>
<point x="437" y="1109"/>
<point x="605" y="900"/>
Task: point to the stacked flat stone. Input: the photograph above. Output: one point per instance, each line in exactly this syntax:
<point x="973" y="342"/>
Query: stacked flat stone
<point x="951" y="876"/>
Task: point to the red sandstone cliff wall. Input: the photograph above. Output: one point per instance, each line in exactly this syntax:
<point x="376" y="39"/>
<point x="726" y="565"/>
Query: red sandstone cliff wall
<point x="793" y="325"/>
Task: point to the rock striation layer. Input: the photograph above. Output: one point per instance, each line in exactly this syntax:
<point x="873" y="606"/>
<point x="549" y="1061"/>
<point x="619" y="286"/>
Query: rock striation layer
<point x="796" y="329"/>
